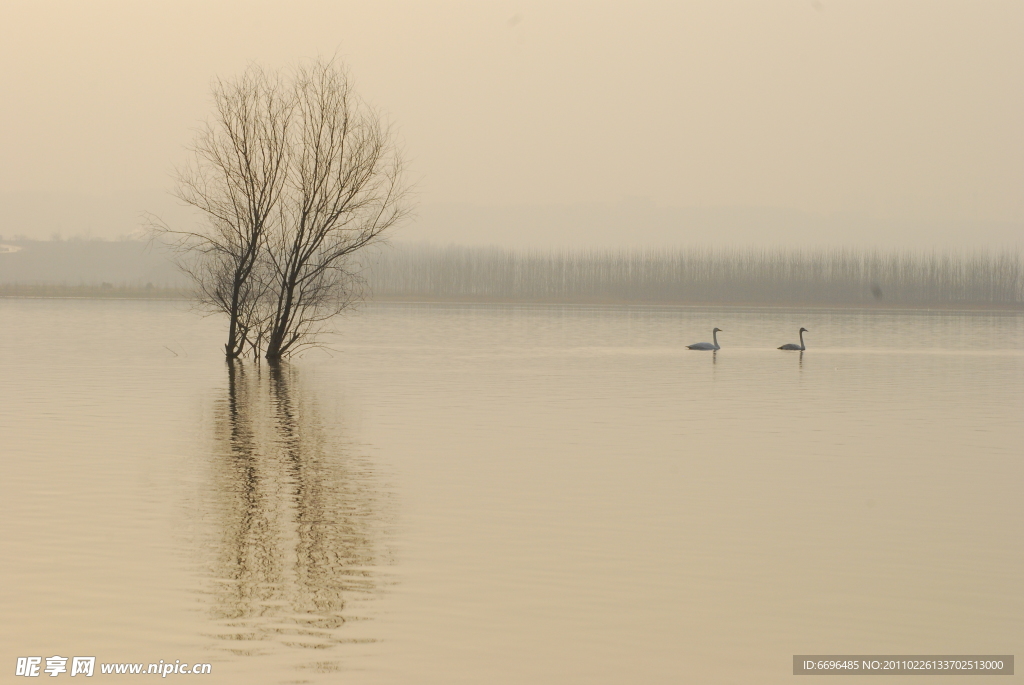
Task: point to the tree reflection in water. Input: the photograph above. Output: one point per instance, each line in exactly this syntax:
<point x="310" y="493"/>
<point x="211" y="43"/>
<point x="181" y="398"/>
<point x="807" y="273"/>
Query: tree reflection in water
<point x="300" y="519"/>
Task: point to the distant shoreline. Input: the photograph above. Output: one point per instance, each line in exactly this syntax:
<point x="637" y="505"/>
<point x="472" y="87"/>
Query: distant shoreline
<point x="120" y="292"/>
<point x="847" y="278"/>
<point x="91" y="292"/>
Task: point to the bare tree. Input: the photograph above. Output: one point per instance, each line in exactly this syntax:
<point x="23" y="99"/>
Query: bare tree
<point x="235" y="177"/>
<point x="344" y="191"/>
<point x="293" y="176"/>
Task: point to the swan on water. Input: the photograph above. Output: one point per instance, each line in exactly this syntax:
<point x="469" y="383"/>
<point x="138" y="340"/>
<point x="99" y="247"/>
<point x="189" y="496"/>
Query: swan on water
<point x="794" y="346"/>
<point x="707" y="346"/>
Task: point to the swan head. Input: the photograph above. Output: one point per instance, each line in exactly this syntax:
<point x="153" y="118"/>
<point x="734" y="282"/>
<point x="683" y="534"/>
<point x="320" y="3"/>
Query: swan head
<point x="804" y="330"/>
<point x="716" y="330"/>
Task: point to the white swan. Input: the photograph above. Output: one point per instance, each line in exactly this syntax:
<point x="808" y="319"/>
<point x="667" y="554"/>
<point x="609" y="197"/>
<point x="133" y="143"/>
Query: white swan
<point x="794" y="346"/>
<point x="707" y="346"/>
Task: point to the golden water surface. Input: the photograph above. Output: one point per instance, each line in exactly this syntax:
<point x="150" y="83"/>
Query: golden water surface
<point x="499" y="494"/>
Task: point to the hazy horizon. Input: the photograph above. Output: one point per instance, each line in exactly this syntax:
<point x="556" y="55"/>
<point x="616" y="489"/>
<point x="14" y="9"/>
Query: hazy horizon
<point x="627" y="223"/>
<point x="890" y="124"/>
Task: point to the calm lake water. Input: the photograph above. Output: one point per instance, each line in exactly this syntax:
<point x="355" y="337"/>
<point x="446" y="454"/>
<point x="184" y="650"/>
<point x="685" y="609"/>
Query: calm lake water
<point x="499" y="494"/>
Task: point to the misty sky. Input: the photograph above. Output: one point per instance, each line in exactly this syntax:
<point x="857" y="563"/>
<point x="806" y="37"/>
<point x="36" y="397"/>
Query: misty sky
<point x="880" y="119"/>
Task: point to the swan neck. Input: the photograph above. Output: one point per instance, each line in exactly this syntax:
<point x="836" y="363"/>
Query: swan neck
<point x="714" y="336"/>
<point x="802" y="346"/>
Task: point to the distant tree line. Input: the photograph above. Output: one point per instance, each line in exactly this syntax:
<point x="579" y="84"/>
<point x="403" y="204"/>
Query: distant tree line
<point x="123" y="263"/>
<point x="700" y="276"/>
<point x="682" y="276"/>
